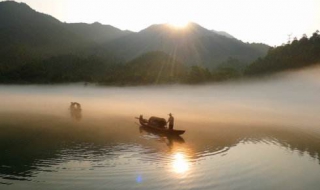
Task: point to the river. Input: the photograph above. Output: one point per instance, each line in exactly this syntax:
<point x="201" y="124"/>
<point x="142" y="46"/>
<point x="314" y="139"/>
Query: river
<point x="250" y="134"/>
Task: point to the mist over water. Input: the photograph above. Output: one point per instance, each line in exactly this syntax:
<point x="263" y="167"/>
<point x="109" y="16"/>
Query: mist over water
<point x="285" y="99"/>
<point x="238" y="135"/>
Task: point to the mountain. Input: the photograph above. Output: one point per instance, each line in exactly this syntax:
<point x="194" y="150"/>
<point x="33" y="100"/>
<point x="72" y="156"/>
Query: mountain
<point x="27" y="36"/>
<point x="154" y="68"/>
<point x="42" y="34"/>
<point x="222" y="33"/>
<point x="22" y="26"/>
<point x="36" y="47"/>
<point x="31" y="33"/>
<point x="193" y="45"/>
<point x="96" y="32"/>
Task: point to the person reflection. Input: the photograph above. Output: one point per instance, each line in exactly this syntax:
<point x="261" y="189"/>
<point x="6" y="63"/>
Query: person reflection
<point x="174" y="139"/>
<point x="75" y="111"/>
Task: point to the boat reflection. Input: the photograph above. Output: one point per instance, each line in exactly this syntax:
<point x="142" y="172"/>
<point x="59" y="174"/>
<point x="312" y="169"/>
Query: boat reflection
<point x="169" y="139"/>
<point x="75" y="111"/>
<point x="179" y="162"/>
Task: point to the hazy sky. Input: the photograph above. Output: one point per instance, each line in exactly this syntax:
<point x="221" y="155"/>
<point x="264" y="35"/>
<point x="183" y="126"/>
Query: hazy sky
<point x="267" y="21"/>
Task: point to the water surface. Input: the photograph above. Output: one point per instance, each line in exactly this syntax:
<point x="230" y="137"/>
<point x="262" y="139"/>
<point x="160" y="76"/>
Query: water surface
<point x="260" y="134"/>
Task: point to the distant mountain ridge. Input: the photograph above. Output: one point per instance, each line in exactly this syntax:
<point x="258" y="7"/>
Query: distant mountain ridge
<point x="193" y="45"/>
<point x="23" y="26"/>
<point x="20" y="25"/>
<point x="96" y="32"/>
<point x="222" y="33"/>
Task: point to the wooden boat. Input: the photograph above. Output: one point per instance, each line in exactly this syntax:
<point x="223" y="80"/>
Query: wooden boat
<point x="157" y="125"/>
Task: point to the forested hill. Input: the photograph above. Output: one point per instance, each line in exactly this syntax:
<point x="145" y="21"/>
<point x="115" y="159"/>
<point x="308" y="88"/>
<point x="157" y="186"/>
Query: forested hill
<point x="22" y="27"/>
<point x="150" y="68"/>
<point x="96" y="32"/>
<point x="296" y="54"/>
<point x="29" y="37"/>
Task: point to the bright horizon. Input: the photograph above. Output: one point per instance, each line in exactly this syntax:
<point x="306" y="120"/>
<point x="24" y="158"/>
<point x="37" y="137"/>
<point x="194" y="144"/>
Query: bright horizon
<point x="257" y="21"/>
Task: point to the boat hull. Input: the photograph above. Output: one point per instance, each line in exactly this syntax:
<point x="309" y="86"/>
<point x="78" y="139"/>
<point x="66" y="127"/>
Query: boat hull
<point x="165" y="131"/>
<point x="171" y="138"/>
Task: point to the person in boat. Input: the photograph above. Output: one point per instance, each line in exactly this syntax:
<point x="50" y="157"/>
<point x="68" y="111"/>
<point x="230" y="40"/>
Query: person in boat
<point x="142" y="119"/>
<point x="170" y="121"/>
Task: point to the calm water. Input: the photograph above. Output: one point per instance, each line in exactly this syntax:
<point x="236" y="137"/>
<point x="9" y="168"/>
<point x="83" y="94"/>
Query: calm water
<point x="246" y="135"/>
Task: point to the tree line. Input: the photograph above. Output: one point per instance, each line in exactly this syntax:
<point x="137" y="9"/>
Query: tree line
<point x="149" y="68"/>
<point x="293" y="55"/>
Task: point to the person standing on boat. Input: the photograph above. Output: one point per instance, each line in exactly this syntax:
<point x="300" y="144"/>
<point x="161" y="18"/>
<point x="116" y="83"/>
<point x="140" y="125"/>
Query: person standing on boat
<point x="171" y="121"/>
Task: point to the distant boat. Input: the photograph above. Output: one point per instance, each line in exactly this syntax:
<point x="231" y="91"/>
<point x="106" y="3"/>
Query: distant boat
<point x="157" y="125"/>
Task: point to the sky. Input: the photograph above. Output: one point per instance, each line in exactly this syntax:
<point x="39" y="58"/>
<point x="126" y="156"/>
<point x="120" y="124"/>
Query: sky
<point x="261" y="21"/>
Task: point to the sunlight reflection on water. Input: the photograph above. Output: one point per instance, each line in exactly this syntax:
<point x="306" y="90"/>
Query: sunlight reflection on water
<point x="180" y="164"/>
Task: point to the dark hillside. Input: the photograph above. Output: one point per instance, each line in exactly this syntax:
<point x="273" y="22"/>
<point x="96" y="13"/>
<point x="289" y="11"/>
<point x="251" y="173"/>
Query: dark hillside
<point x="297" y="54"/>
<point x="152" y="68"/>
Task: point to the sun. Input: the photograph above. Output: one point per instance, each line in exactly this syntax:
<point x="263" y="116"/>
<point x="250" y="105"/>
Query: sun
<point x="179" y="23"/>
